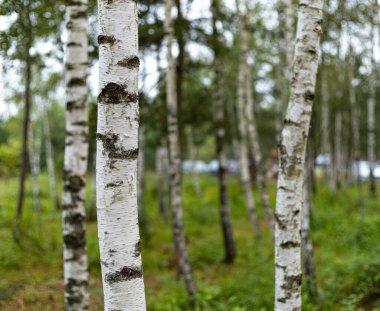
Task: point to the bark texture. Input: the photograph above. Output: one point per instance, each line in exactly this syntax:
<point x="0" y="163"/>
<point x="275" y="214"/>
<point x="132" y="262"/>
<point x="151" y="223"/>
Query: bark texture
<point x="34" y="159"/>
<point x="162" y="168"/>
<point x="50" y="161"/>
<point x="245" y="177"/>
<point x="117" y="153"/>
<point x="288" y="276"/>
<point x="355" y="118"/>
<point x="218" y="109"/>
<point x="175" y="160"/>
<point x="307" y="242"/>
<point x="192" y="157"/>
<point x="75" y="162"/>
<point x="371" y="121"/>
<point x="27" y="108"/>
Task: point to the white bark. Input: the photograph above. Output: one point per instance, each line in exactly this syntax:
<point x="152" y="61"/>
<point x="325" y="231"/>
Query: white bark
<point x="75" y="163"/>
<point x="307" y="243"/>
<point x="162" y="168"/>
<point x="140" y="177"/>
<point x="219" y="119"/>
<point x="288" y="276"/>
<point x="241" y="118"/>
<point x="355" y="118"/>
<point x="175" y="159"/>
<point x="326" y="145"/>
<point x="371" y="119"/>
<point x="117" y="153"/>
<point x="192" y="158"/>
<point x="50" y="160"/>
<point x="34" y="159"/>
<point x="256" y="151"/>
<point x="338" y="165"/>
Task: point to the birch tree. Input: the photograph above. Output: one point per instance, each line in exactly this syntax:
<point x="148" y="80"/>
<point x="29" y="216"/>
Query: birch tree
<point x="75" y="162"/>
<point x="371" y="103"/>
<point x="175" y="159"/>
<point x="242" y="123"/>
<point x="50" y="160"/>
<point x="27" y="103"/>
<point x="117" y="153"/>
<point x="253" y="136"/>
<point x="218" y="111"/>
<point x="34" y="160"/>
<point x="288" y="276"/>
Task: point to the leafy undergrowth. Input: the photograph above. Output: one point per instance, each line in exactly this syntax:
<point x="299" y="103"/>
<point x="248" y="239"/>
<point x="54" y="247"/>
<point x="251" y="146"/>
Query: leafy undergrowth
<point x="346" y="240"/>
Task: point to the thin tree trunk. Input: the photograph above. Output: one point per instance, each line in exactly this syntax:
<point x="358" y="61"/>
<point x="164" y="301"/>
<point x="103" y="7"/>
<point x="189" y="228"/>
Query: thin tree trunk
<point x="175" y="160"/>
<point x="242" y="124"/>
<point x="50" y="161"/>
<point x="326" y="145"/>
<point x="254" y="140"/>
<point x="27" y="108"/>
<point x="192" y="158"/>
<point x="117" y="153"/>
<point x="307" y="243"/>
<point x="292" y="158"/>
<point x="219" y="119"/>
<point x="256" y="151"/>
<point x="355" y="118"/>
<point x="371" y="122"/>
<point x="140" y="178"/>
<point x="75" y="162"/>
<point x="180" y="69"/>
<point x="338" y="149"/>
<point x="162" y="168"/>
<point x="92" y="208"/>
<point x="34" y="157"/>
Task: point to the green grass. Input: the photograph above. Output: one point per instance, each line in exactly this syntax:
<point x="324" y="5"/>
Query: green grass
<point x="346" y="245"/>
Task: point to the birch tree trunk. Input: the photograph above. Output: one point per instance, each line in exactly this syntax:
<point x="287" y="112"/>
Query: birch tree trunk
<point x="192" y="158"/>
<point x="253" y="135"/>
<point x="175" y="160"/>
<point x="75" y="162"/>
<point x="27" y="108"/>
<point x="50" y="160"/>
<point x="307" y="243"/>
<point x="140" y="178"/>
<point x="288" y="276"/>
<point x="242" y="124"/>
<point x="256" y="151"/>
<point x="326" y="145"/>
<point x="338" y="149"/>
<point x="371" y="121"/>
<point x="355" y="118"/>
<point x="34" y="160"/>
<point x="162" y="168"/>
<point x="117" y="153"/>
<point x="218" y="109"/>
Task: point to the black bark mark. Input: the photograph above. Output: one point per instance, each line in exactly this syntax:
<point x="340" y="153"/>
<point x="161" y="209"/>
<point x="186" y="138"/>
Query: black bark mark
<point x="124" y="274"/>
<point x="130" y="62"/>
<point x="114" y="93"/>
<point x="138" y="249"/>
<point x="76" y="82"/>
<point x="103" y="39"/>
<point x="116" y="152"/>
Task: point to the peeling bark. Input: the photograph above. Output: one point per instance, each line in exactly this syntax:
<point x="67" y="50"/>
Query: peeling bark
<point x="292" y="149"/>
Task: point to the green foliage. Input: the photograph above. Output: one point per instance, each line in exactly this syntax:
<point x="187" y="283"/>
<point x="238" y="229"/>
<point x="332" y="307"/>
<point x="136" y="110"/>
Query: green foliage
<point x="10" y="158"/>
<point x="345" y="241"/>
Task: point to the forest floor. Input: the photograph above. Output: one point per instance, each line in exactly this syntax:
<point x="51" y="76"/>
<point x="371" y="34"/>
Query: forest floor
<point x="346" y="240"/>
